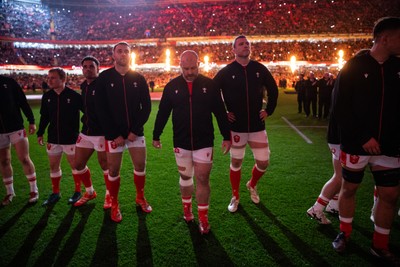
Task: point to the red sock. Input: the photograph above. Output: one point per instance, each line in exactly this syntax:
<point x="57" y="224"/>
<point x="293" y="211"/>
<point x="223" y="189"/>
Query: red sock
<point x="106" y="182"/>
<point x="139" y="183"/>
<point x="187" y="204"/>
<point x="85" y="178"/>
<point x="380" y="241"/>
<point x="114" y="188"/>
<point x="235" y="182"/>
<point x="346" y="228"/>
<point x="77" y="182"/>
<point x="203" y="212"/>
<point x="255" y="176"/>
<point x="322" y="201"/>
<point x="55" y="184"/>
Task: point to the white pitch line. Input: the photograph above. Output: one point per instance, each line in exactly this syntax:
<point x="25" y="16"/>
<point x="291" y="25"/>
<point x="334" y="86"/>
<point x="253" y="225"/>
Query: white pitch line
<point x="297" y="130"/>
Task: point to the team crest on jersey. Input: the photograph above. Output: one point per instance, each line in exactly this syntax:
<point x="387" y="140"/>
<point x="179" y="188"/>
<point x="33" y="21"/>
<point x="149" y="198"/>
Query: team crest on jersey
<point x="366" y="75"/>
<point x="354" y="159"/>
<point x="258" y="74"/>
<point x="176" y="150"/>
<point x="236" y="138"/>
<point x="5" y="85"/>
<point x="135" y="84"/>
<point x="112" y="85"/>
<point x="93" y="92"/>
<point x="233" y="76"/>
<point x="176" y="92"/>
<point x="48" y="100"/>
<point x="204" y="90"/>
<point x="68" y="100"/>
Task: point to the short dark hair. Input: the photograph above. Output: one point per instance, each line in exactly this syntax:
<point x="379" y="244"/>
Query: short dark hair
<point x="91" y="58"/>
<point x="238" y="37"/>
<point x="385" y="24"/>
<point x="61" y="73"/>
<point x="121" y="43"/>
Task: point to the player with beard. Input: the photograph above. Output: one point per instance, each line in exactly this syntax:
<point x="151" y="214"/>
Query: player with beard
<point x="123" y="106"/>
<point x="366" y="101"/>
<point x="91" y="137"/>
<point x="245" y="84"/>
<point x="193" y="98"/>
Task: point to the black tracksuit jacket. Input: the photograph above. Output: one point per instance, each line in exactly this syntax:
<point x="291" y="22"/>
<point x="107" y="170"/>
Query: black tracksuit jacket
<point x="192" y="114"/>
<point x="90" y="122"/>
<point x="60" y="112"/>
<point x="12" y="101"/>
<point x="243" y="89"/>
<point x="123" y="103"/>
<point x="366" y="104"/>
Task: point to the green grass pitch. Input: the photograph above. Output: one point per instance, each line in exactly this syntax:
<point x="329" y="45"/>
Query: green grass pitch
<point x="276" y="232"/>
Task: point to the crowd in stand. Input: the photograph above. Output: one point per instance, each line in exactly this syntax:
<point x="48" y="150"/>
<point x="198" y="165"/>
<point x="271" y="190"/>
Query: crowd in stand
<point x="283" y="75"/>
<point x="314" y="51"/>
<point x="41" y="22"/>
<point x="191" y="19"/>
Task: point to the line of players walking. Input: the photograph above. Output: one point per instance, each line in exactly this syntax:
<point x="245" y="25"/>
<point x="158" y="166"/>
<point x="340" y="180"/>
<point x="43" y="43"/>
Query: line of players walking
<point x="363" y="130"/>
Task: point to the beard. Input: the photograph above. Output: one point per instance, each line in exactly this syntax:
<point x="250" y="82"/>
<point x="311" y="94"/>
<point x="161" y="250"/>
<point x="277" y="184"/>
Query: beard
<point x="122" y="62"/>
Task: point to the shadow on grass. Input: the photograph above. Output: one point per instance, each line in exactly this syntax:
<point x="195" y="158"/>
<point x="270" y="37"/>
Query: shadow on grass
<point x="72" y="244"/>
<point x="106" y="253"/>
<point x="13" y="220"/>
<point x="144" y="254"/>
<point x="208" y="250"/>
<point x="22" y="256"/>
<point x="308" y="252"/>
<point x="352" y="247"/>
<point x="269" y="244"/>
<point x="49" y="253"/>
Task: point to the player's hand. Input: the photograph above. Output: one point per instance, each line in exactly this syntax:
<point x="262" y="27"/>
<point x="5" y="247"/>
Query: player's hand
<point x="157" y="144"/>
<point x="226" y="146"/>
<point x="263" y="115"/>
<point x="40" y="140"/>
<point x="231" y="117"/>
<point x="119" y="141"/>
<point x="132" y="137"/>
<point x="32" y="128"/>
<point x="372" y="147"/>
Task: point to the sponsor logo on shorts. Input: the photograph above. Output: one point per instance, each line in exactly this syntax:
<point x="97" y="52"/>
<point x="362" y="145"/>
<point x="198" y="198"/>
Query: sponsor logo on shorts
<point x="79" y="139"/>
<point x="236" y="138"/>
<point x="176" y="150"/>
<point x="48" y="146"/>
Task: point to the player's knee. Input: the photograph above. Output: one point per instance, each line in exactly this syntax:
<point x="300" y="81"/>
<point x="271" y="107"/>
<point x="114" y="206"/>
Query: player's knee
<point x="262" y="165"/>
<point x="354" y="177"/>
<point x="79" y="166"/>
<point x="387" y="178"/>
<point x="103" y="164"/>
<point x="237" y="155"/>
<point x="5" y="162"/>
<point x="185" y="182"/>
<point x="26" y="161"/>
